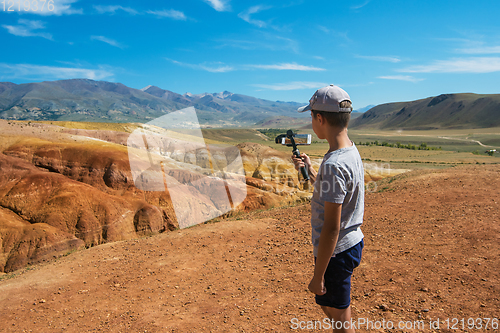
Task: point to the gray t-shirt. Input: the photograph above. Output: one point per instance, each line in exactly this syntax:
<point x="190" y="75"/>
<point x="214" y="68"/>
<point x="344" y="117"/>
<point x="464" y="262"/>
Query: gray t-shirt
<point x="340" y="180"/>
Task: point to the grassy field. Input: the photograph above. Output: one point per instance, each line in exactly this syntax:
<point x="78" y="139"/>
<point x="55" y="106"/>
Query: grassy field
<point x="235" y="136"/>
<point x="460" y="146"/>
<point x="453" y="146"/>
<point x="468" y="140"/>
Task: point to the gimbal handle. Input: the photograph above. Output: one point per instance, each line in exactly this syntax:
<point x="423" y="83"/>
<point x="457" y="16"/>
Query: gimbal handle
<point x="296" y="151"/>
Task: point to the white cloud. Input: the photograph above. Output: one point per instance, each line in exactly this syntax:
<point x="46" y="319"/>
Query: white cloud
<point x="380" y="58"/>
<point x="106" y="40"/>
<point x="216" y="69"/>
<point x="171" y="13"/>
<point x="474" y="44"/>
<point x="113" y="9"/>
<point x="37" y="72"/>
<point x="59" y="7"/>
<point x="262" y="40"/>
<point x="458" y="65"/>
<point x="287" y="66"/>
<point x="480" y="50"/>
<point x="361" y="5"/>
<point x="337" y="34"/>
<point x="212" y="67"/>
<point x="245" y="16"/>
<point x="218" y="5"/>
<point x="28" y="28"/>
<point x="219" y="67"/>
<point x="324" y="29"/>
<point x="296" y="85"/>
<point x="401" y="78"/>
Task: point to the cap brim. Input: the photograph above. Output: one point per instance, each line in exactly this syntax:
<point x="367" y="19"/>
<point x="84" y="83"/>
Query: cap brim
<point x="304" y="108"/>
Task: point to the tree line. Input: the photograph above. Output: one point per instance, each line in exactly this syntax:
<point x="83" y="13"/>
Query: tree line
<point x="423" y="145"/>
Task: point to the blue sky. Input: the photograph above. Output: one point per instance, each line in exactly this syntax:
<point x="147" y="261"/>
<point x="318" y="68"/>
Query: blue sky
<point x="378" y="51"/>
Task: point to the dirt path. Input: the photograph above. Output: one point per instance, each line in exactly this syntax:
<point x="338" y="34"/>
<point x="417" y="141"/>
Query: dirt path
<point x="466" y="139"/>
<point x="432" y="251"/>
<point x="436" y="136"/>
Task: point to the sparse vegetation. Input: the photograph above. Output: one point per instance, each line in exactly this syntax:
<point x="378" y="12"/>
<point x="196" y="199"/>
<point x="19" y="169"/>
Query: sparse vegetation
<point x="7" y="276"/>
<point x="422" y="146"/>
<point x="272" y="133"/>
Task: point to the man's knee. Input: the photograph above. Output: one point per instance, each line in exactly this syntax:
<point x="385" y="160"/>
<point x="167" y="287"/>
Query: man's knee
<point x="337" y="314"/>
<point x="341" y="317"/>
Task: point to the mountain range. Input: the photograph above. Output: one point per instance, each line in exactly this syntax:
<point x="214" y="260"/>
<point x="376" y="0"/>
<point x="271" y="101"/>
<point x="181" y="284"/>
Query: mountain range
<point x="443" y="111"/>
<point x="101" y="101"/>
<point x="84" y="99"/>
<point x="366" y="108"/>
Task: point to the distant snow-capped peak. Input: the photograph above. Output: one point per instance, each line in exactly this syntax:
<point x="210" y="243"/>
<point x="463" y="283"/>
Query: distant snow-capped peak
<point x="221" y="95"/>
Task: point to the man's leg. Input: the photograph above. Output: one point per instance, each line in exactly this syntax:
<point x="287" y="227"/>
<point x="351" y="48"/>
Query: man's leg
<point x="338" y="287"/>
<point x="340" y="315"/>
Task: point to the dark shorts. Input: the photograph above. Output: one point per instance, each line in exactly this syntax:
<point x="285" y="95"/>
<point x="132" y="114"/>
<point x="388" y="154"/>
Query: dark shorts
<point x="338" y="278"/>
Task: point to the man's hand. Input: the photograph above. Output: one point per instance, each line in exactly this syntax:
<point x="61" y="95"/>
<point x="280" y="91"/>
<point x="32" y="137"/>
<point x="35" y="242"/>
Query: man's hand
<point x="317" y="285"/>
<point x="303" y="161"/>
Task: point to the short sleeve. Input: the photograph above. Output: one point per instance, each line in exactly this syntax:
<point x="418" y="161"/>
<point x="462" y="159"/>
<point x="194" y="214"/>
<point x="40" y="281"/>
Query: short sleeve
<point x="332" y="186"/>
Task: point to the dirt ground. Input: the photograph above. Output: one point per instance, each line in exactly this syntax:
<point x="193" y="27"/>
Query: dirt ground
<point x="432" y="251"/>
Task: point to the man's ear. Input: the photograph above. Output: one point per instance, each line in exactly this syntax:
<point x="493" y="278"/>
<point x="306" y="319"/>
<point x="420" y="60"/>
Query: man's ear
<point x="320" y="118"/>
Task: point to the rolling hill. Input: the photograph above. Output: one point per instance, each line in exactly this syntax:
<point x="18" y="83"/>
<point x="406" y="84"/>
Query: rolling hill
<point x="242" y="108"/>
<point x="89" y="100"/>
<point x="79" y="99"/>
<point x="443" y="111"/>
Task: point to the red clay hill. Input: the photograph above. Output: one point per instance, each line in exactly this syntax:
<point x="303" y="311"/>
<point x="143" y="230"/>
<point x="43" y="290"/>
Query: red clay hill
<point x="432" y="246"/>
<point x="65" y="189"/>
<point x="432" y="252"/>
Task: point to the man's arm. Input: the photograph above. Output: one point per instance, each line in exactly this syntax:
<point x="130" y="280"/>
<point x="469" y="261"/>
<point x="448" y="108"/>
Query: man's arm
<point x="304" y="161"/>
<point x="327" y="242"/>
<point x="312" y="174"/>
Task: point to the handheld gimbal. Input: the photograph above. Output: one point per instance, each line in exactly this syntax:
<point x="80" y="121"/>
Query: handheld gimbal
<point x="291" y="139"/>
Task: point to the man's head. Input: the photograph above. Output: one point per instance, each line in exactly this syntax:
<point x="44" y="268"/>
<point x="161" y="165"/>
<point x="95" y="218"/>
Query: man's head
<point x="334" y="105"/>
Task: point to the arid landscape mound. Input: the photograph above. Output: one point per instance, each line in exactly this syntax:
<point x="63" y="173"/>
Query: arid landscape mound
<point x="437" y="112"/>
<point x="62" y="189"/>
<point x="47" y="204"/>
<point x="431" y="252"/>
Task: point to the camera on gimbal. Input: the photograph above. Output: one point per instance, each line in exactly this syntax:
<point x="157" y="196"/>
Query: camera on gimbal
<point x="293" y="140"/>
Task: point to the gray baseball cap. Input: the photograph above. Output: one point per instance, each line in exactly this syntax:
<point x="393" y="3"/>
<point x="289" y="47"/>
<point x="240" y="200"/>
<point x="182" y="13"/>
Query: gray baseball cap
<point x="327" y="99"/>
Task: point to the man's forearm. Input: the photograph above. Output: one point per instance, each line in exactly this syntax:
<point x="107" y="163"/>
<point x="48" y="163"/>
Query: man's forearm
<point x="312" y="174"/>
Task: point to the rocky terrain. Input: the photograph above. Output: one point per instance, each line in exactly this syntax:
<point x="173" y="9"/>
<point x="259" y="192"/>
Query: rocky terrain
<point x="83" y="249"/>
<point x="63" y="189"/>
<point x="431" y="252"/>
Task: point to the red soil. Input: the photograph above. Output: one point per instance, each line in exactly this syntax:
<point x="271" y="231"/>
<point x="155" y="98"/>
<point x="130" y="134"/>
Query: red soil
<point x="432" y="251"/>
